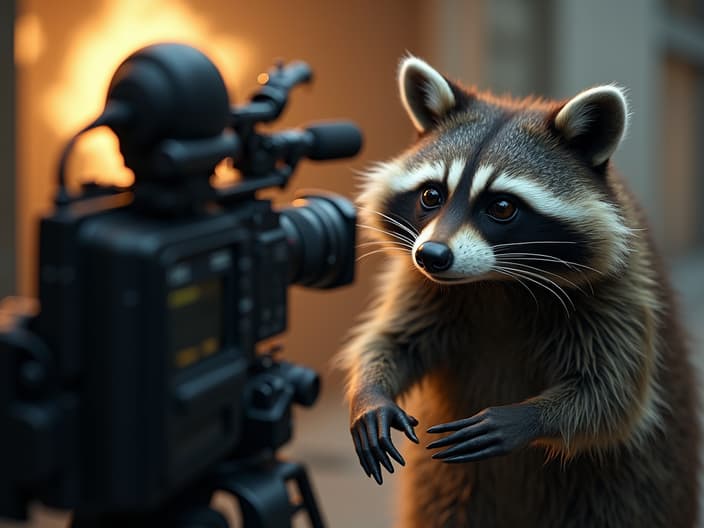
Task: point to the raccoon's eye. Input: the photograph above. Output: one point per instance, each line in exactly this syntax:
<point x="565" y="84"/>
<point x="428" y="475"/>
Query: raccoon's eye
<point x="431" y="198"/>
<point x="502" y="210"/>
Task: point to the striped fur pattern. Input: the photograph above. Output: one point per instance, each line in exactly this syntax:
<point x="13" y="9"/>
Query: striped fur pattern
<point x="564" y="308"/>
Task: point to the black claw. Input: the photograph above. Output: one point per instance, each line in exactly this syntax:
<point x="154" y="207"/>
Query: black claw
<point x="368" y="468"/>
<point x="495" y="431"/>
<point x="439" y="443"/>
<point x="365" y="455"/>
<point x="473" y="457"/>
<point x="475" y="431"/>
<point x="454" y="426"/>
<point x="391" y="450"/>
<point x="377" y="473"/>
<point x="372" y="433"/>
<point x="358" y="449"/>
<point x="410" y="433"/>
<point x="365" y="468"/>
<point x="458" y="459"/>
<point x="381" y="457"/>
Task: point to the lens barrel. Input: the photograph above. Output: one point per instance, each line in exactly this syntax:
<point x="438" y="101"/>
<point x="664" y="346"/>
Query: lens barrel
<point x="320" y="230"/>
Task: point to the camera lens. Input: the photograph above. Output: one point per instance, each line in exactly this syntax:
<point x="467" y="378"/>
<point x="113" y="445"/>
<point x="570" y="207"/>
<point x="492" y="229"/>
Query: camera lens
<point x="320" y="229"/>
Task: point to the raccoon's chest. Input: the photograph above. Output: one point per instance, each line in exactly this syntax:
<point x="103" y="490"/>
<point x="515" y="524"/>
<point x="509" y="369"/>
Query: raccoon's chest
<point x="488" y="359"/>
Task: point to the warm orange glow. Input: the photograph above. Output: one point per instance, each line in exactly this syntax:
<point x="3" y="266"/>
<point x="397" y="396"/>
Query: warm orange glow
<point x="96" y="158"/>
<point x="98" y="46"/>
<point x="263" y="78"/>
<point x="30" y="39"/>
<point x="225" y="174"/>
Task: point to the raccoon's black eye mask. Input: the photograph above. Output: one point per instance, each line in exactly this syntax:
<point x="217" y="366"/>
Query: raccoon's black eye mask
<point x="501" y="209"/>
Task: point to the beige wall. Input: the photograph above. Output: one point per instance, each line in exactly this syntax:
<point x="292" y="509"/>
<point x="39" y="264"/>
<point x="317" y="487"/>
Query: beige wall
<point x="678" y="184"/>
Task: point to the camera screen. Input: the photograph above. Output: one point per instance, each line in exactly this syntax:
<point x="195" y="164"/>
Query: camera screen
<point x="195" y="321"/>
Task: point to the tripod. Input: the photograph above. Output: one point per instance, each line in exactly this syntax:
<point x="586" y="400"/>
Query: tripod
<point x="252" y="474"/>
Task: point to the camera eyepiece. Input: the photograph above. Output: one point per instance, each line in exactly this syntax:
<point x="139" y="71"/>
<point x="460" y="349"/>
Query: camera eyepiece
<point x="173" y="91"/>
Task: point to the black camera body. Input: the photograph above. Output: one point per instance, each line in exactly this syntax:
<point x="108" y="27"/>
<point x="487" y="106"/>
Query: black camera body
<point x="140" y="371"/>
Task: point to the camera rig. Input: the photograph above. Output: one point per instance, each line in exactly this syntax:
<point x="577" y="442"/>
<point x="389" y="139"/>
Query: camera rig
<point x="132" y="389"/>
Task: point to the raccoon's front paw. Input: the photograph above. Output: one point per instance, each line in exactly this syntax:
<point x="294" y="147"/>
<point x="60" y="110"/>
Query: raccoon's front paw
<point x="373" y="415"/>
<point x="495" y="431"/>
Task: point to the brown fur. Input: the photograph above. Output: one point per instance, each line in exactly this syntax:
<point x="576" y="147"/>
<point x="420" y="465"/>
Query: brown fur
<point x="610" y="377"/>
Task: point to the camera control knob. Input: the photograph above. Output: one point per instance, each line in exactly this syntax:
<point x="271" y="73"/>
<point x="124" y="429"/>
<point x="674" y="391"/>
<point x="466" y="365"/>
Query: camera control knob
<point x="265" y="394"/>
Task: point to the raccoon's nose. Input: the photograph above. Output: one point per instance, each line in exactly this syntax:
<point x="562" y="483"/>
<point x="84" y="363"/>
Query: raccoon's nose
<point x="434" y="256"/>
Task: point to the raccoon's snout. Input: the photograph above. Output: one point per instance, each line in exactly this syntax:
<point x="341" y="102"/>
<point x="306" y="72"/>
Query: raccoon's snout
<point x="434" y="256"/>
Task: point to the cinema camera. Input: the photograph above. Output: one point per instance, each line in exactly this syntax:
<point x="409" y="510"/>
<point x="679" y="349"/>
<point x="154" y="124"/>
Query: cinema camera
<point x="135" y="389"/>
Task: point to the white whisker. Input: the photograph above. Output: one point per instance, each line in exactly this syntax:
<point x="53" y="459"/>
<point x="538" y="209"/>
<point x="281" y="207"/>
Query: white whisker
<point x="389" y="233"/>
<point x="406" y="226"/>
<point x="385" y="250"/>
<point x="548" y="258"/>
<point x="533" y="242"/>
<point x="389" y="242"/>
<point x="527" y="276"/>
<point x="501" y="270"/>
<point x="513" y="263"/>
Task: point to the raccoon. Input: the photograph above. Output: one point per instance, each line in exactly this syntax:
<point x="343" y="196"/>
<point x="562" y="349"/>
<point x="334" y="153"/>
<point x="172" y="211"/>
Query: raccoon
<point x="523" y="301"/>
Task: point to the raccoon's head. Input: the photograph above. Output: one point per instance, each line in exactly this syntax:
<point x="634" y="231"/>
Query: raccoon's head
<point x="498" y="189"/>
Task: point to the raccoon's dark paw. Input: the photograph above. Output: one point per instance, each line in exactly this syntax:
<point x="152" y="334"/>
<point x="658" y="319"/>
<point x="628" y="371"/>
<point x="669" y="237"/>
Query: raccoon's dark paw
<point x="495" y="431"/>
<point x="373" y="416"/>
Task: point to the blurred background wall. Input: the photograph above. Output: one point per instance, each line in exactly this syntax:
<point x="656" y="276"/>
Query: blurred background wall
<point x="7" y="150"/>
<point x="65" y="53"/>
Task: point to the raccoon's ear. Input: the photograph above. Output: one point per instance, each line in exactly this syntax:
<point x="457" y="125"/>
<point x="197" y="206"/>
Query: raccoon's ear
<point x="426" y="95"/>
<point x="594" y="122"/>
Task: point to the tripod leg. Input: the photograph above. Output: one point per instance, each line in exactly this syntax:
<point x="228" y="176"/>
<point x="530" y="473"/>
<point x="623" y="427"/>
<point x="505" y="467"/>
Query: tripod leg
<point x="292" y="470"/>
